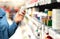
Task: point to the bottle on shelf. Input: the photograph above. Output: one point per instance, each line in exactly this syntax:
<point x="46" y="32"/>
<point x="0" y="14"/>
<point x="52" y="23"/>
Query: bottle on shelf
<point x="49" y="20"/>
<point x="43" y="20"/>
<point x="49" y="13"/>
<point x="46" y="18"/>
<point x="48" y="36"/>
<point x="46" y="11"/>
<point x="49" y="23"/>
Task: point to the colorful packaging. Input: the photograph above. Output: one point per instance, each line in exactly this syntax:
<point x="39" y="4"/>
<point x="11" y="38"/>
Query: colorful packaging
<point x="49" y="13"/>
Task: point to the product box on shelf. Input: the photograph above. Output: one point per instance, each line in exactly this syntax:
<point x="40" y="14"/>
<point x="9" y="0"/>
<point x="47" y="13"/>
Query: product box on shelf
<point x="49" y="13"/>
<point x="56" y="19"/>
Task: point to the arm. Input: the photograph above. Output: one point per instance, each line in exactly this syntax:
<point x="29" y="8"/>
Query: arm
<point x="18" y="18"/>
<point x="12" y="29"/>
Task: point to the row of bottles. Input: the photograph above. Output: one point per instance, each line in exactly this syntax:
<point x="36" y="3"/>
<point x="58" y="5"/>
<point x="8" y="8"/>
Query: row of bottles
<point x="48" y="19"/>
<point x="52" y="19"/>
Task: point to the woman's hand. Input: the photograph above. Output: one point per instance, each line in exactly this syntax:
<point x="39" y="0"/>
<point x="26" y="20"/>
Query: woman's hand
<point x="19" y="17"/>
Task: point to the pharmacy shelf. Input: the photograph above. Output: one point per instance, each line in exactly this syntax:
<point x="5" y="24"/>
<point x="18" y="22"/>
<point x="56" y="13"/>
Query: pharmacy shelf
<point x="36" y="25"/>
<point x="54" y="33"/>
<point x="43" y="2"/>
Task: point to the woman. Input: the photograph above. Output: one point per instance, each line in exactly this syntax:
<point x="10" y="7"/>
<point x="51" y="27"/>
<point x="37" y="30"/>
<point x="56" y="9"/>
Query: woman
<point x="6" y="30"/>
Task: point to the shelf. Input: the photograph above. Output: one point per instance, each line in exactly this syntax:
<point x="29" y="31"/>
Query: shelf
<point x="54" y="33"/>
<point x="48" y="6"/>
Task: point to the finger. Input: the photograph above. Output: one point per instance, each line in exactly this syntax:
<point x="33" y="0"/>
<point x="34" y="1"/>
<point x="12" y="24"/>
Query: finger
<point x="21" y="15"/>
<point x="24" y="12"/>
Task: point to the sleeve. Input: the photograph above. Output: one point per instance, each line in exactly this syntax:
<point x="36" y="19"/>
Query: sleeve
<point x="12" y="29"/>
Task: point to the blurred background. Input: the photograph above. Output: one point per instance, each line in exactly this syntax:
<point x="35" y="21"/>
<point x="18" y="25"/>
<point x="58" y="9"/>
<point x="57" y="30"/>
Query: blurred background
<point x="41" y="20"/>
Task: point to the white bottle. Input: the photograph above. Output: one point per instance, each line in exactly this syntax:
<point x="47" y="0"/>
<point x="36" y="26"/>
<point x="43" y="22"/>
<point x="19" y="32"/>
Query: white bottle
<point x="21" y="10"/>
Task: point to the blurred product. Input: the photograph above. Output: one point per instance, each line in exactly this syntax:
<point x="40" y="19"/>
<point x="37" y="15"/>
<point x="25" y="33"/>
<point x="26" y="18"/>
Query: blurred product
<point x="46" y="11"/>
<point x="22" y="9"/>
<point x="49" y="13"/>
<point x="56" y="19"/>
<point x="43" y="20"/>
<point x="36" y="15"/>
<point x="46" y="20"/>
<point x="49" y="23"/>
<point x="48" y="36"/>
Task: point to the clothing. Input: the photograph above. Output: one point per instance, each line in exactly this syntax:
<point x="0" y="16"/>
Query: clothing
<point x="6" y="30"/>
